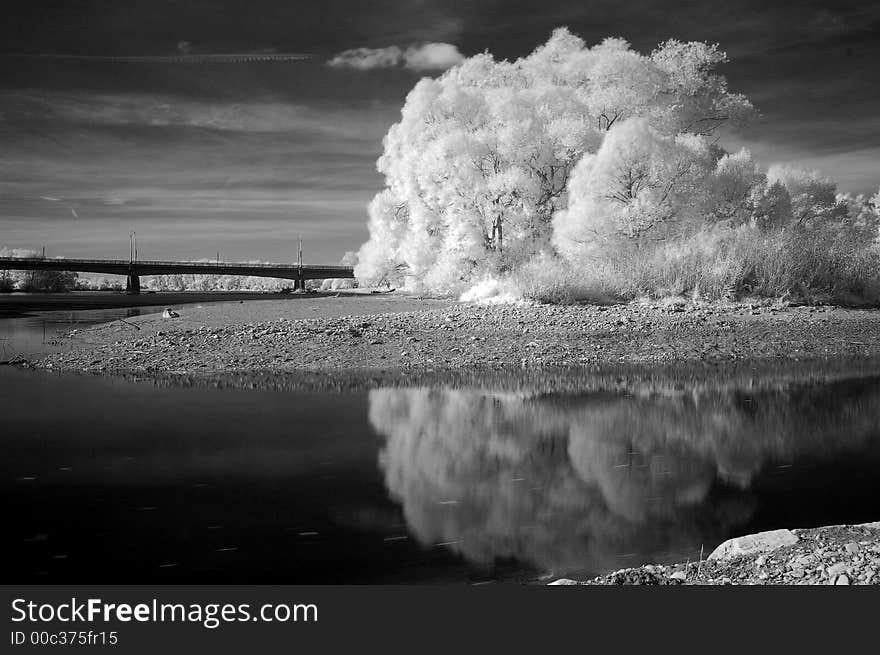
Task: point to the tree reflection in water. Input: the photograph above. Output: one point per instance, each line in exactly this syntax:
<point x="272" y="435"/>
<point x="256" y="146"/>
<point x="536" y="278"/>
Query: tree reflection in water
<point x="583" y="481"/>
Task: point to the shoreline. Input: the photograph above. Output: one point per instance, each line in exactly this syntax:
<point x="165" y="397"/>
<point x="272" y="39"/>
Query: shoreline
<point x="17" y="304"/>
<point x="846" y="554"/>
<point x="399" y="334"/>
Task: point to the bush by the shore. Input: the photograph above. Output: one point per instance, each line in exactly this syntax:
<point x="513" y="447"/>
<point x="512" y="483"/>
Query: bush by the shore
<point x="718" y="264"/>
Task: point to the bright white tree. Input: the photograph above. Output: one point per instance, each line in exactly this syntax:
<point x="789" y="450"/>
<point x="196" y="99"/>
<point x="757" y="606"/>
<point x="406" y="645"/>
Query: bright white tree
<point x="481" y="159"/>
<point x="818" y="206"/>
<point x="641" y="186"/>
<point x="813" y="197"/>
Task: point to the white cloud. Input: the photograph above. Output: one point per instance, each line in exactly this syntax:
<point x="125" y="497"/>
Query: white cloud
<point x="367" y="58"/>
<point x="428" y="56"/>
<point x="432" y="56"/>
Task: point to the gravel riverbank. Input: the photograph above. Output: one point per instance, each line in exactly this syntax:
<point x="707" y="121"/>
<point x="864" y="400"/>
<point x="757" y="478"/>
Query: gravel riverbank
<point x="407" y="334"/>
<point x="833" y="555"/>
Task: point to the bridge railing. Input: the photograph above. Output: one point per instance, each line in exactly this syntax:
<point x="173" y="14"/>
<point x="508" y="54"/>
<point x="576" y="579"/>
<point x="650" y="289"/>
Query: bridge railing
<point x="63" y="261"/>
<point x="160" y="262"/>
<point x="158" y="267"/>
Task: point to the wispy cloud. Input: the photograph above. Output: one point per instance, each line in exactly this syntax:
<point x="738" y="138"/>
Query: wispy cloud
<point x="158" y="110"/>
<point x="183" y="56"/>
<point x="368" y="58"/>
<point x="424" y="57"/>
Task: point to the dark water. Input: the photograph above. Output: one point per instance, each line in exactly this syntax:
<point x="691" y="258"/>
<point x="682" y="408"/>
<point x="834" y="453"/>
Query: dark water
<point x="33" y="322"/>
<point x="112" y="480"/>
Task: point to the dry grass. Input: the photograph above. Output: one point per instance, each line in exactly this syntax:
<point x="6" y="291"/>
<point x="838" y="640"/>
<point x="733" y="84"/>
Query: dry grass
<point x="719" y="264"/>
<point x="548" y="279"/>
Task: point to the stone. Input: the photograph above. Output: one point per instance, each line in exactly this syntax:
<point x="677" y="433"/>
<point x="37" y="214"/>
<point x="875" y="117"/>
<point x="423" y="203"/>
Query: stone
<point x="679" y="575"/>
<point x="836" y="569"/>
<point x="842" y="579"/>
<point x="561" y="582"/>
<point x="852" y="548"/>
<point x="754" y="543"/>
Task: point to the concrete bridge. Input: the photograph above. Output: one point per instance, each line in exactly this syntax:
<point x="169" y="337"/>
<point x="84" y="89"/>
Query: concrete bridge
<point x="299" y="273"/>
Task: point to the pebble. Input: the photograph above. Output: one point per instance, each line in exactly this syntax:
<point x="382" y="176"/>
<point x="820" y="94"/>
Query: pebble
<point x="836" y="569"/>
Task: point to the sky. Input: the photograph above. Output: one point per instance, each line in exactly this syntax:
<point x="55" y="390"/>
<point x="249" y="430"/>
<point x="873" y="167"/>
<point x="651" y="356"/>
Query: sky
<point x="237" y="126"/>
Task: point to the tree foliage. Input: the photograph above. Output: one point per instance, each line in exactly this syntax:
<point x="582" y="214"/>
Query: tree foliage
<point x="585" y="155"/>
<point x="482" y="156"/>
<point x="34" y="281"/>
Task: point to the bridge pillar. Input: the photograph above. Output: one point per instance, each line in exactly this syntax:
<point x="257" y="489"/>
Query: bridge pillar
<point x="133" y="285"/>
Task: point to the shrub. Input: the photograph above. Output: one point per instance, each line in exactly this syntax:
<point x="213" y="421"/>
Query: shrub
<point x="720" y="263"/>
<point x="48" y="281"/>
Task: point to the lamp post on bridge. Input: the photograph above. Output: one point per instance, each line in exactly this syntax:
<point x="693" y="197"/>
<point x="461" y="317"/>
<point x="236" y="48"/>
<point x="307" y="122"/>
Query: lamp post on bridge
<point x="300" y="283"/>
<point x="132" y="282"/>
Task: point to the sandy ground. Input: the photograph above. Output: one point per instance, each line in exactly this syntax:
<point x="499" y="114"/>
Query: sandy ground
<point x="290" y="308"/>
<point x="398" y="333"/>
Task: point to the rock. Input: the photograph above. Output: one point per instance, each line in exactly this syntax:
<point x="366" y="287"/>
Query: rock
<point x="836" y="569"/>
<point x="754" y="543"/>
<point x="170" y="313"/>
<point x="679" y="575"/>
<point x="842" y="579"/>
<point x="562" y="581"/>
<point x="852" y="548"/>
<point x="639" y="577"/>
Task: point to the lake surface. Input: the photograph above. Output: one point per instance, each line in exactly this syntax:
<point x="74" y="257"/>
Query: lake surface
<point x="173" y="480"/>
